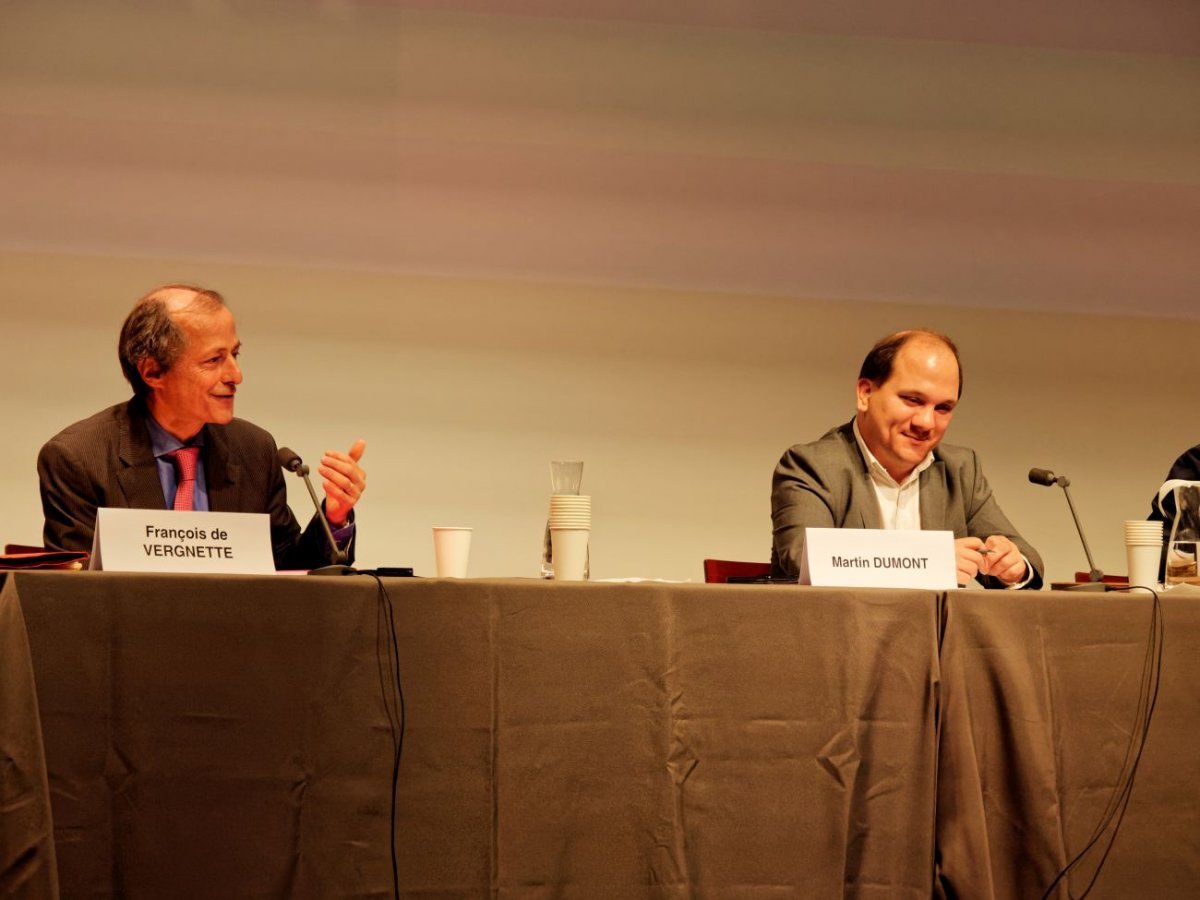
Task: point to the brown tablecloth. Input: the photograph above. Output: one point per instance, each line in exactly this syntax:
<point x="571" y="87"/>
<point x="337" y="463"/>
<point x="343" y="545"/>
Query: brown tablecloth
<point x="681" y="741"/>
<point x="210" y="738"/>
<point x="230" y="737"/>
<point x="1040" y="697"/>
<point x="27" y="864"/>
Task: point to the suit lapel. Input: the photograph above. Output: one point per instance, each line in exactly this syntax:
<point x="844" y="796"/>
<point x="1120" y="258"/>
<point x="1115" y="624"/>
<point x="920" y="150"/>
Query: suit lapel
<point x="865" y="503"/>
<point x="221" y="472"/>
<point x="934" y="496"/>
<point x="137" y="474"/>
<point x="863" y="509"/>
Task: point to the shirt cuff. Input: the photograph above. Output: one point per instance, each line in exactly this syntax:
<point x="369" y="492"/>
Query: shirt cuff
<point x="1016" y="586"/>
<point x="342" y="533"/>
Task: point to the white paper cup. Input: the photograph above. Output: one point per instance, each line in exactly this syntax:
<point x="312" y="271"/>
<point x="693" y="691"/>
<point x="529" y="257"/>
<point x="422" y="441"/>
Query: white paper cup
<point x="1143" y="564"/>
<point x="559" y="501"/>
<point x="570" y="552"/>
<point x="451" y="549"/>
<point x="1139" y="530"/>
<point x="1143" y="552"/>
<point x="570" y="511"/>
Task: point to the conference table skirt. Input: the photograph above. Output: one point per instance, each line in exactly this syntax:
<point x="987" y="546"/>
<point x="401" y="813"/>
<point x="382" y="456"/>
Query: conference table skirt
<point x="27" y="859"/>
<point x="234" y="737"/>
<point x="1042" y="693"/>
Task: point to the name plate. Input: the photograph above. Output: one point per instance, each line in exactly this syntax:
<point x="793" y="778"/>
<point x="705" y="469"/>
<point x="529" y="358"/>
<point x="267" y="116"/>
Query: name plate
<point x="861" y="557"/>
<point x="163" y="540"/>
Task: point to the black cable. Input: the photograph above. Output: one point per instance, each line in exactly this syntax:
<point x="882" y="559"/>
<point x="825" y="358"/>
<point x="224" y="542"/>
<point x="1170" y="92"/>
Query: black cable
<point x="393" y="703"/>
<point x="1114" y="811"/>
<point x="1124" y="783"/>
<point x="1151" y="680"/>
<point x="386" y="669"/>
<point x="1148" y="697"/>
<point x="383" y="666"/>
<point x="400" y="738"/>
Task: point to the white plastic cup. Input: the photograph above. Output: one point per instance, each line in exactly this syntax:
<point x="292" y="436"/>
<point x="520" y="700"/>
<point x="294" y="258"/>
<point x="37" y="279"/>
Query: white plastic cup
<point x="570" y="552"/>
<point x="1143" y="552"/>
<point x="451" y="550"/>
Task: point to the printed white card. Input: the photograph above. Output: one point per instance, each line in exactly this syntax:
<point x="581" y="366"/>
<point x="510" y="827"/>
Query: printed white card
<point x="164" y="540"/>
<point x="875" y="557"/>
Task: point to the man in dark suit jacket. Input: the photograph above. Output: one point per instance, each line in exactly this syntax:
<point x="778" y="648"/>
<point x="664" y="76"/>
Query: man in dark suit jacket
<point x="887" y="469"/>
<point x="1186" y="468"/>
<point x="179" y="350"/>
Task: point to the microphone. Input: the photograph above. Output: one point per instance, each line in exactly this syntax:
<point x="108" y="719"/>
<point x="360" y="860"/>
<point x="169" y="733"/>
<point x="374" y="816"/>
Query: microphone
<point x="1046" y="478"/>
<point x="1038" y="476"/>
<point x="290" y="461"/>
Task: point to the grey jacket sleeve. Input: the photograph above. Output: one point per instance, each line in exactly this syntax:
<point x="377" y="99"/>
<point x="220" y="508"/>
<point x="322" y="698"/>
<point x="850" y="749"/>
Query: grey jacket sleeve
<point x="813" y="487"/>
<point x="971" y="509"/>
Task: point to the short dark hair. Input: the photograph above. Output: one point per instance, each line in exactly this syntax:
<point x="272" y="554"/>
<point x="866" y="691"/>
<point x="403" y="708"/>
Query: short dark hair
<point x="877" y="367"/>
<point x="151" y="332"/>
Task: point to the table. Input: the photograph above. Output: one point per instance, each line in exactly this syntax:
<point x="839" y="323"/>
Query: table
<point x="230" y="737"/>
<point x="27" y="862"/>
<point x="1040" y="691"/>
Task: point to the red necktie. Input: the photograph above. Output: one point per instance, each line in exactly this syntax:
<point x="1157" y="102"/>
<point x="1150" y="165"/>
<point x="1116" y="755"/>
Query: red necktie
<point x="185" y="467"/>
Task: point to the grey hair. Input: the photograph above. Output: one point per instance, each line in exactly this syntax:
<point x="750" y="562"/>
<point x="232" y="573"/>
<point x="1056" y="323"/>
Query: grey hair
<point x="151" y="332"/>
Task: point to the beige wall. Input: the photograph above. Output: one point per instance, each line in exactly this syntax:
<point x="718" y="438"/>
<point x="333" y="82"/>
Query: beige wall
<point x="488" y="234"/>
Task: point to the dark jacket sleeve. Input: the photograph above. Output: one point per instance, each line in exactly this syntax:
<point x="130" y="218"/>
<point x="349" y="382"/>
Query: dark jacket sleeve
<point x="69" y="499"/>
<point x="1186" y="468"/>
<point x="292" y="548"/>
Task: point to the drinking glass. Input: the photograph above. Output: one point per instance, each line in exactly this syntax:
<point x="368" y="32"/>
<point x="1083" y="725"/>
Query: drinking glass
<point x="1181" y="562"/>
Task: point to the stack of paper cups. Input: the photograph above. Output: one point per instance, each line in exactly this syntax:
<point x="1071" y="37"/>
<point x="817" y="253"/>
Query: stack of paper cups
<point x="1143" y="550"/>
<point x="570" y="526"/>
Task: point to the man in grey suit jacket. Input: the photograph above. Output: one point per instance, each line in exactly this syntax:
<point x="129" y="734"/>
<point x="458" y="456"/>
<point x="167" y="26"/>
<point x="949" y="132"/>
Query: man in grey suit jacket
<point x="179" y="350"/>
<point x="888" y="469"/>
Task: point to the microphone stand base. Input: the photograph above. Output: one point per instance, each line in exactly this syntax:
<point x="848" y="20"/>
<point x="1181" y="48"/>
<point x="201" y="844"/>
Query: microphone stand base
<point x="334" y="570"/>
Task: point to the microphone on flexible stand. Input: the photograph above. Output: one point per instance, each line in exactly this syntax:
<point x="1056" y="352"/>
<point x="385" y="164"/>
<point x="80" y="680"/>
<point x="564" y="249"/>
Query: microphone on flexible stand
<point x="1047" y="478"/>
<point x="291" y="462"/>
